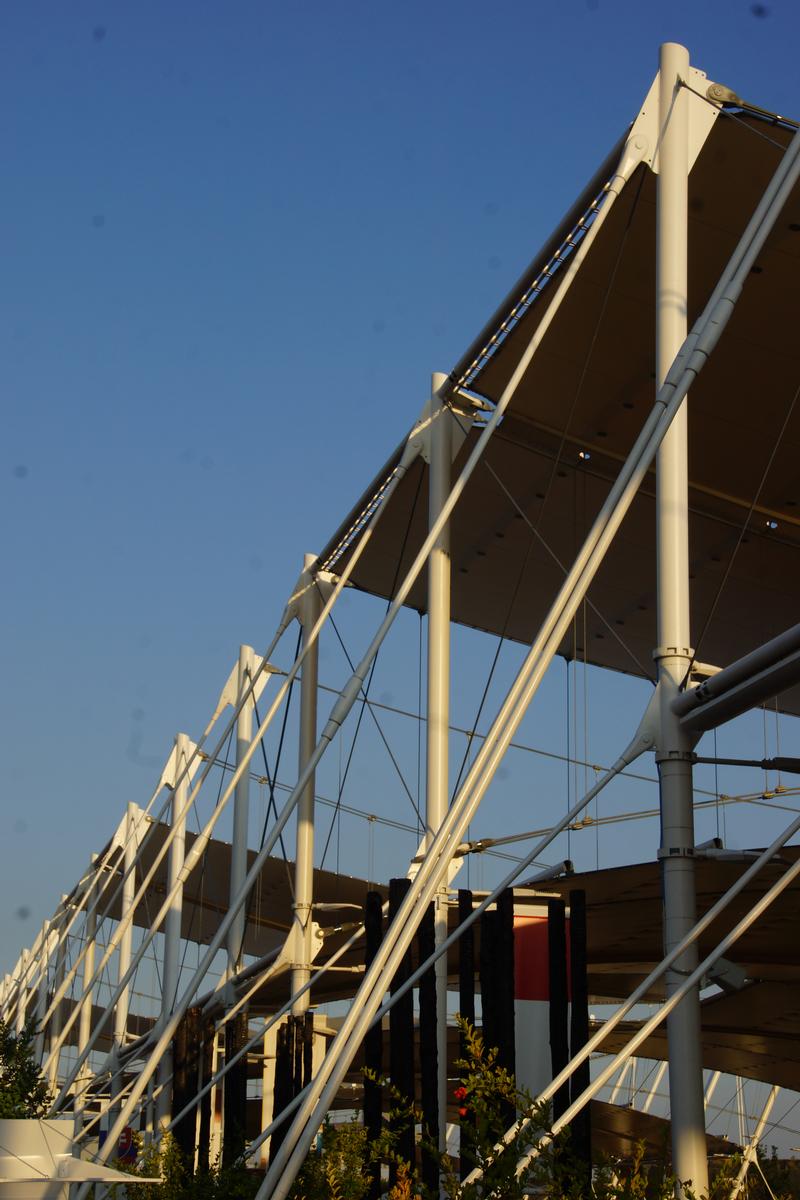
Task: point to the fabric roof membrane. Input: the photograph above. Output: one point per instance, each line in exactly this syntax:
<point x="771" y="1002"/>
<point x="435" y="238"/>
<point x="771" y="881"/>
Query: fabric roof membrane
<point x="580" y="405"/>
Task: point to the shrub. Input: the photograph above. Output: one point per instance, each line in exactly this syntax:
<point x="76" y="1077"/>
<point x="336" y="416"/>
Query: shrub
<point x="23" y="1091"/>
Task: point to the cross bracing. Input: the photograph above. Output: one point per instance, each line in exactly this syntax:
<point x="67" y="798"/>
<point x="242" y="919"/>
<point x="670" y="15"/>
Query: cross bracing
<point x="545" y="497"/>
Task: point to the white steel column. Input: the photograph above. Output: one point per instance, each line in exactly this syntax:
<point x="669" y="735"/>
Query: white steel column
<point x="438" y="728"/>
<point x="126" y="942"/>
<point x="53" y="1047"/>
<point x="22" y="991"/>
<point x="172" y="924"/>
<point x="241" y="806"/>
<point x="308" y="612"/>
<point x="85" y="1022"/>
<point x="41" y="993"/>
<point x="654" y="1086"/>
<point x="673" y="654"/>
<point x="711" y="1087"/>
<point x="750" y="1151"/>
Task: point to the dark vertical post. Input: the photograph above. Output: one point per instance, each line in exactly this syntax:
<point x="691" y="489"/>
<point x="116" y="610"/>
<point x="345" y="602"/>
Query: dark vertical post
<point x="234" y="1112"/>
<point x="579" y="1025"/>
<point x="505" y="979"/>
<point x="489" y="966"/>
<point x="204" y="1137"/>
<point x="506" y="1044"/>
<point x="186" y="1060"/>
<point x="428" y="1057"/>
<point x="284" y="1081"/>
<point x="298" y="1025"/>
<point x="373" y="1041"/>
<point x="308" y="1048"/>
<point x="401" y="1031"/>
<point x="466" y="962"/>
<point x="557" y="953"/>
<point x="466" y="1005"/>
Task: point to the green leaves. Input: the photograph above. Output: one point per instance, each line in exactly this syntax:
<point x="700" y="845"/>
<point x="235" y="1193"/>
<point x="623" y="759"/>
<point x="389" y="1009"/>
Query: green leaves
<point x="23" y="1091"/>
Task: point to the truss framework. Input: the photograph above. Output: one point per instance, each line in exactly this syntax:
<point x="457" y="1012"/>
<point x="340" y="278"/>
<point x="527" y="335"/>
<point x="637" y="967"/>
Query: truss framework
<point x="118" y="1066"/>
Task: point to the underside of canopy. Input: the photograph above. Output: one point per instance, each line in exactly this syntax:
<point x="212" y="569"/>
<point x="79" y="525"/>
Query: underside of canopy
<point x="552" y="460"/>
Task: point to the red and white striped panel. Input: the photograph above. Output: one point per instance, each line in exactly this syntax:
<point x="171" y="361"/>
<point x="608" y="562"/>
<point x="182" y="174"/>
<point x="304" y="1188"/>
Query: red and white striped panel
<point x="532" y="998"/>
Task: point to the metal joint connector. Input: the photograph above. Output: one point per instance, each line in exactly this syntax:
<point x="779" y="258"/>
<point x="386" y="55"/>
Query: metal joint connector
<point x="674" y="756"/>
<point x="660" y="652"/>
<point x="675" y="852"/>
<point x="719" y="94"/>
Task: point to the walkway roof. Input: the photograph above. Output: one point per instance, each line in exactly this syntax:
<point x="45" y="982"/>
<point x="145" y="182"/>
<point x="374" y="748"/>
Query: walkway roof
<point x="550" y="464"/>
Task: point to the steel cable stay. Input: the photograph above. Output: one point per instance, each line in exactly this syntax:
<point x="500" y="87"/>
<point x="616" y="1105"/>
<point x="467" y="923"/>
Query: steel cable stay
<point x="472" y="733"/>
<point x="203" y="864"/>
<point x="536" y="533"/>
<point x="590" y="348"/>
<point x="341" y="582"/>
<point x="516" y="745"/>
<point x="337" y="804"/>
<point x="742" y="532"/>
<point x="377" y="723"/>
<point x="725" y="102"/>
<point x="33" y="973"/>
<point x="262" y="1029"/>
<point x="196" y="852"/>
<point x="352" y="689"/>
<point x="351" y="810"/>
<point x="270" y="779"/>
<point x="641" y="990"/>
<point x="638" y="815"/>
<point x="199" y="845"/>
<point x="711" y="915"/>
<point x="153" y="955"/>
<point x="126" y="919"/>
<point x="64" y="931"/>
<point x="553" y="470"/>
<point x="643" y="1088"/>
<point x="763" y="799"/>
<point x="686" y="367"/>
<point x="536" y="287"/>
<point x="343" y="776"/>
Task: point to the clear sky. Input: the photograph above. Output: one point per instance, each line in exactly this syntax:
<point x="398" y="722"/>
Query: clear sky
<point x="236" y="240"/>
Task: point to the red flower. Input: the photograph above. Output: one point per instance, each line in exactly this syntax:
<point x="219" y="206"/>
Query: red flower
<point x="462" y="1112"/>
<point x="460" y="1093"/>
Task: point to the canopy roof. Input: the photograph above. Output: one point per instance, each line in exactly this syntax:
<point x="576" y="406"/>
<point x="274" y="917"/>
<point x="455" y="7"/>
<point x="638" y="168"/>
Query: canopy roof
<point x="206" y="895"/>
<point x="550" y="463"/>
<point x="753" y="1032"/>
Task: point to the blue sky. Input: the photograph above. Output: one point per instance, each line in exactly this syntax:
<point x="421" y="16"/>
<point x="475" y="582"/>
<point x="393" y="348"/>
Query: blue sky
<point x="236" y="241"/>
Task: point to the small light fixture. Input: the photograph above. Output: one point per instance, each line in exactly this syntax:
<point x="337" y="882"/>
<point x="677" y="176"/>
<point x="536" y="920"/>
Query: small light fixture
<point x="584" y="455"/>
<point x="771" y="524"/>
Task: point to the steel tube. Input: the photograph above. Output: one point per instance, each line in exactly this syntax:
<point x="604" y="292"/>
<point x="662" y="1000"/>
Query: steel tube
<point x="202" y="840"/>
<point x="645" y="986"/>
<point x="241" y="803"/>
<point x="743" y="669"/>
<point x="742" y="696"/>
<point x="688" y="364"/>
<point x="631" y="157"/>
<point x="302" y="928"/>
<point x="267" y="1025"/>
<point x="751" y="1149"/>
<point x="126" y="942"/>
<point x="445" y="844"/>
<point x="673" y="654"/>
<point x="671" y="1003"/>
<point x="438" y="723"/>
<point x="85" y="1023"/>
<point x="171" y="969"/>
